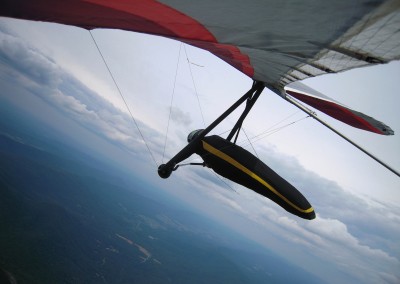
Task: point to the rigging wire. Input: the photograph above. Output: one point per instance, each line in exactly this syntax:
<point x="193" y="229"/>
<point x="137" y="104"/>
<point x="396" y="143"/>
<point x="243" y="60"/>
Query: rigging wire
<point x="264" y="134"/>
<point x="194" y="85"/>
<point x="123" y="99"/>
<point x="268" y="129"/>
<point x="222" y="180"/>
<point x="270" y="132"/>
<point x="201" y="111"/>
<point x="204" y="165"/>
<point x="172" y="99"/>
<point x="243" y="141"/>
<point x="250" y="143"/>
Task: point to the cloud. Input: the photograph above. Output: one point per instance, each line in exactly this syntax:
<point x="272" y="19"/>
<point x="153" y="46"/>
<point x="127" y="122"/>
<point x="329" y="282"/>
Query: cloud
<point x="29" y="61"/>
<point x="39" y="74"/>
<point x="227" y="201"/>
<point x="355" y="235"/>
<point x="331" y="201"/>
<point x="180" y="117"/>
<point x="363" y="261"/>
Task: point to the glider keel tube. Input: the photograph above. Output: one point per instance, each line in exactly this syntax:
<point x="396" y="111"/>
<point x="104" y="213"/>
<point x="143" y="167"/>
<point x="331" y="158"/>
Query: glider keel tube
<point x="240" y="166"/>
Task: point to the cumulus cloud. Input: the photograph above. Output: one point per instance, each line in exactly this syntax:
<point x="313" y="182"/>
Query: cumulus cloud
<point x="335" y="240"/>
<point x="40" y="75"/>
<point x="227" y="201"/>
<point x="29" y="61"/>
<point x="180" y="117"/>
<point x="331" y="201"/>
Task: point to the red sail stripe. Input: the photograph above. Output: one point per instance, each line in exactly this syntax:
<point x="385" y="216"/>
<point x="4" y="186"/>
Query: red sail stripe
<point x="176" y="24"/>
<point x="336" y="111"/>
<point x="145" y="16"/>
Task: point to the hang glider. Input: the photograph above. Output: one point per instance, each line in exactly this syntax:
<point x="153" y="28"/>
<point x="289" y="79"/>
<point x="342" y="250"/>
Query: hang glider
<point x="275" y="43"/>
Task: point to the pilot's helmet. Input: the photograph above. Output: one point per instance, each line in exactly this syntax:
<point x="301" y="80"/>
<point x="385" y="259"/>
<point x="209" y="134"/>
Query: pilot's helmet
<point x="193" y="134"/>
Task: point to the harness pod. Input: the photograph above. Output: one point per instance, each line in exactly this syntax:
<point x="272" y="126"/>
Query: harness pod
<point x="240" y="166"/>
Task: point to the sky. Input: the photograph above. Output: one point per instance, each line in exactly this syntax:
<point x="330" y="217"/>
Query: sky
<point x="168" y="85"/>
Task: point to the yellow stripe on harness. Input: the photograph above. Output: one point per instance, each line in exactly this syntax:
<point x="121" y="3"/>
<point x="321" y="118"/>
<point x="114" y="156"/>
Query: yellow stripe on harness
<point x="239" y="166"/>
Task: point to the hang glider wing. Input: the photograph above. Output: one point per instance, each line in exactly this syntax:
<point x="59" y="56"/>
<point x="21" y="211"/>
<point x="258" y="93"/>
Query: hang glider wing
<point x="336" y="110"/>
<point x="269" y="41"/>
